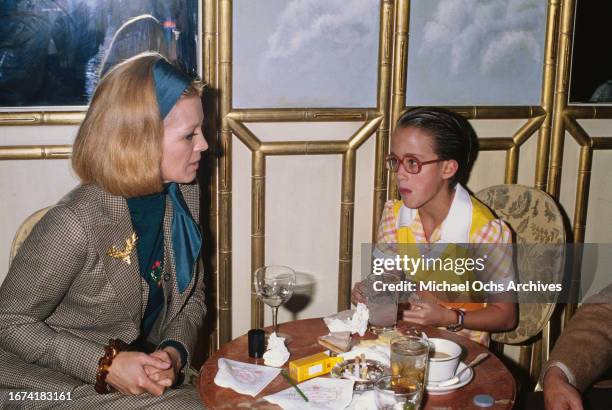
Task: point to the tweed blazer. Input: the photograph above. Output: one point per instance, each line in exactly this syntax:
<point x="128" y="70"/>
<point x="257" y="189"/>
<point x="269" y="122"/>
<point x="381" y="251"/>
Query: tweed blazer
<point x="64" y="297"/>
<point x="585" y="346"/>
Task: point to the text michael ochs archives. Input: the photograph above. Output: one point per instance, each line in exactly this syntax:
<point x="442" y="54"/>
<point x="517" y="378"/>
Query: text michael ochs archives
<point x="467" y="286"/>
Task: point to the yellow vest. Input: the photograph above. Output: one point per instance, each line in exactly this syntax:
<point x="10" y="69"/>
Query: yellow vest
<point x="481" y="216"/>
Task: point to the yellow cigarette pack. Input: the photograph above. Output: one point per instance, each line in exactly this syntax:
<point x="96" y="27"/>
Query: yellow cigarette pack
<point x="312" y="366"/>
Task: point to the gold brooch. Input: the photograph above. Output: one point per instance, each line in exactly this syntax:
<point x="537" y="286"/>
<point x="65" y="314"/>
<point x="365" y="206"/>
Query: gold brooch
<point x="124" y="254"/>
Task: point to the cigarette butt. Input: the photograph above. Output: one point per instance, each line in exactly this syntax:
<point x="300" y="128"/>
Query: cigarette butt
<point x="364" y="372"/>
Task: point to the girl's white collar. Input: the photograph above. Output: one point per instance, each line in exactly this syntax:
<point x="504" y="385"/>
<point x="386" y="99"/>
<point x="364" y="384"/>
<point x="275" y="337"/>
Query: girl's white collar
<point x="456" y="226"/>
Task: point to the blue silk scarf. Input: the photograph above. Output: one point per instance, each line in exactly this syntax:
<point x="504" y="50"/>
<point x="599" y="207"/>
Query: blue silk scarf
<point x="170" y="83"/>
<point x="186" y="238"/>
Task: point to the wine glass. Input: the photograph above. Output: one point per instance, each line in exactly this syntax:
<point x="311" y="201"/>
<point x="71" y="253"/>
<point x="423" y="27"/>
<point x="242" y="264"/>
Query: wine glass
<point x="274" y="286"/>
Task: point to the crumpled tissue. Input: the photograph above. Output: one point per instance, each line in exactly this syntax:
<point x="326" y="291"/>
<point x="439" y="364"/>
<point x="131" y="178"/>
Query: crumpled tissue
<point x="353" y="321"/>
<point x="277" y="353"/>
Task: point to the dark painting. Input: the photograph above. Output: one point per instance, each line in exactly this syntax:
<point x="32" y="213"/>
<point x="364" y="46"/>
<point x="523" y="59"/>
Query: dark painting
<point x="53" y="52"/>
<point x="591" y="75"/>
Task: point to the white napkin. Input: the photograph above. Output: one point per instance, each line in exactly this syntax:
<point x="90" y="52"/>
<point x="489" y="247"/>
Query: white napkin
<point x="277" y="353"/>
<point x="244" y="378"/>
<point x="343" y="321"/>
<point x="323" y="394"/>
<point x="381" y="353"/>
<point x="364" y="401"/>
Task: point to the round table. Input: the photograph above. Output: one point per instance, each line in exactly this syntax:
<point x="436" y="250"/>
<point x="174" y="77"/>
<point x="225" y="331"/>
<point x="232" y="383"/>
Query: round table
<point x="491" y="376"/>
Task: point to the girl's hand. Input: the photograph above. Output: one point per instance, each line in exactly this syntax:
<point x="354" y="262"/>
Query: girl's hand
<point x="358" y="295"/>
<point x="127" y="373"/>
<point x="427" y="313"/>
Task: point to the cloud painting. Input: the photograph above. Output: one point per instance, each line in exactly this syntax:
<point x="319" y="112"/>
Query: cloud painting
<point x="476" y="52"/>
<point x="323" y="53"/>
<point x="305" y="53"/>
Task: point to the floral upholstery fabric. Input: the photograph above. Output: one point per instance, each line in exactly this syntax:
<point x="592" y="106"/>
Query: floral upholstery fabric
<point x="535" y="219"/>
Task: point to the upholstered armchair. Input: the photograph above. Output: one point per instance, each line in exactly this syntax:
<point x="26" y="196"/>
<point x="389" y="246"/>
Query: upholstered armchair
<point x="538" y="226"/>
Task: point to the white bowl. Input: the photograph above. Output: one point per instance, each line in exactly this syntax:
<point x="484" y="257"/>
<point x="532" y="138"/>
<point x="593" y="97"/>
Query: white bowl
<point x="443" y="368"/>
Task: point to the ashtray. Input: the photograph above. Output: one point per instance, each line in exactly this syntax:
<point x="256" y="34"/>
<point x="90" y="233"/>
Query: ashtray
<point x="369" y="371"/>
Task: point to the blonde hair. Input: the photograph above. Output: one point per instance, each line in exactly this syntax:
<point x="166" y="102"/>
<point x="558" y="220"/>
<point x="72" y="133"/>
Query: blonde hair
<point x="118" y="145"/>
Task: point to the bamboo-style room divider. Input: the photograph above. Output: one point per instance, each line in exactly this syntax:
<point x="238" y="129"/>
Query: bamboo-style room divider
<point x="550" y="123"/>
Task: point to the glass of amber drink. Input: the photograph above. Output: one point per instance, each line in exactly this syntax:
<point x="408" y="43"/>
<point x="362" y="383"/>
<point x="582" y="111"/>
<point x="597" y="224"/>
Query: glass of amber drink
<point x="409" y="358"/>
<point x="398" y="393"/>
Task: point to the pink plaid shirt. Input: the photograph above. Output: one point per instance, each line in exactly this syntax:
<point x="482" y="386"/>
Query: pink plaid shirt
<point x="495" y="232"/>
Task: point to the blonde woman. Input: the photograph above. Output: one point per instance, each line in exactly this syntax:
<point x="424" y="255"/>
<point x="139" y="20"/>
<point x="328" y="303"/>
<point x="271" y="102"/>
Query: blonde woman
<point x="102" y="304"/>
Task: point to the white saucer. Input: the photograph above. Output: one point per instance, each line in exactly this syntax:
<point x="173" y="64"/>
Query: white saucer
<point x="465" y="378"/>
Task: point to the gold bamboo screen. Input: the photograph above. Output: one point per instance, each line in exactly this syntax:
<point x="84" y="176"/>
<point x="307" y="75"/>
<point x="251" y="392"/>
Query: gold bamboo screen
<point x="392" y="69"/>
<point x="565" y="119"/>
<point x="538" y="119"/>
<point x="375" y="121"/>
<point x="550" y="120"/>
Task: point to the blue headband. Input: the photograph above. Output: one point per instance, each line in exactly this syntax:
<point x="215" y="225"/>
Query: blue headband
<point x="170" y="83"/>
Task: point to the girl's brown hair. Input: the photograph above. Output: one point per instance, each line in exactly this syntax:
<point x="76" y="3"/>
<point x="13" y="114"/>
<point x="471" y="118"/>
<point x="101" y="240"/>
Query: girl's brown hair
<point x="453" y="137"/>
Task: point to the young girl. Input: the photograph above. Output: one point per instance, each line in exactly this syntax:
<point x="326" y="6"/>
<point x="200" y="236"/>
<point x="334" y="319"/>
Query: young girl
<point x="431" y="152"/>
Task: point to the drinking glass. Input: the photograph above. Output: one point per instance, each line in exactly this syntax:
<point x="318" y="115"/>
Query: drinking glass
<point x="410" y="357"/>
<point x="398" y="393"/>
<point x="382" y="302"/>
<point x="274" y="286"/>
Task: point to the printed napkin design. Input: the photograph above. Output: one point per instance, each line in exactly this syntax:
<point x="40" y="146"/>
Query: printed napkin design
<point x="323" y="394"/>
<point x="244" y="378"/>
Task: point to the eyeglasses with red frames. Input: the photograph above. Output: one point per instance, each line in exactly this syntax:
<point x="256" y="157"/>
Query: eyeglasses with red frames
<point x="411" y="164"/>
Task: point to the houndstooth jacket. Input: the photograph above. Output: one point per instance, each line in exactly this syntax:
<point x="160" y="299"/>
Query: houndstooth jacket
<point x="64" y="297"/>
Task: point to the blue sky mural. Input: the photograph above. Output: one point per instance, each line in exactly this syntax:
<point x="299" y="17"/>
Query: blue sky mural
<point x="323" y="53"/>
<point x="306" y="53"/>
<point x="476" y="52"/>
